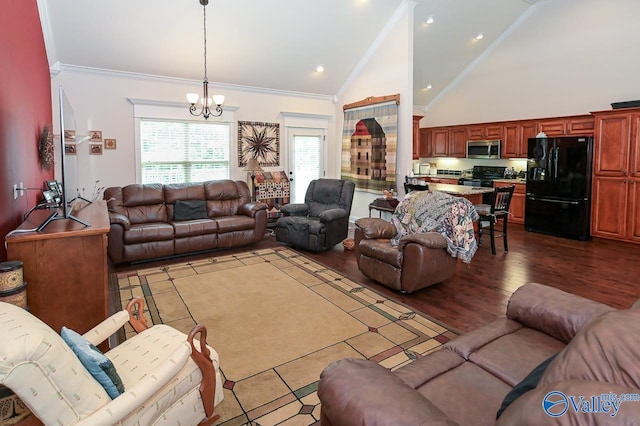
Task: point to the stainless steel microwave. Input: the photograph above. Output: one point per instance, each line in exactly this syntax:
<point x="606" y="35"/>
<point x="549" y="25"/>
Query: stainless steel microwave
<point x="484" y="149"/>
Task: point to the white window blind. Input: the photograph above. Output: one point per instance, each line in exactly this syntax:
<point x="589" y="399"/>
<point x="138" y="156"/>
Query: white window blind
<point x="183" y="151"/>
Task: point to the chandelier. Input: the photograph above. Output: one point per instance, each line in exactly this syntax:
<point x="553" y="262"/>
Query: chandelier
<point x="206" y="110"/>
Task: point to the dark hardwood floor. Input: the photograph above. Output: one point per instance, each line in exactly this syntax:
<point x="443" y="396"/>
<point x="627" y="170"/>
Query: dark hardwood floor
<point x="601" y="270"/>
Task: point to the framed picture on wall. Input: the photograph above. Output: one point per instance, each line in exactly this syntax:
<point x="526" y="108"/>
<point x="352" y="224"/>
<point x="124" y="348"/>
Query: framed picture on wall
<point x="109" y="144"/>
<point x="95" y="149"/>
<point x="260" y="141"/>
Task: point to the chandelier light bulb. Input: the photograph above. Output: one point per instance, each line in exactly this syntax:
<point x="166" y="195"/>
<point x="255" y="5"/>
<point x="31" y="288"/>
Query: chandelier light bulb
<point x="218" y="99"/>
<point x="192" y="98"/>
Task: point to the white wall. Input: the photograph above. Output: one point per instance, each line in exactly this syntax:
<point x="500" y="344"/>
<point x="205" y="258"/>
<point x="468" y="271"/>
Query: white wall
<point x="100" y="102"/>
<point x="565" y="57"/>
<point x="388" y="71"/>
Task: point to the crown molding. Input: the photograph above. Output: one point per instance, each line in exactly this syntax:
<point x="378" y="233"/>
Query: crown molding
<point x="176" y="80"/>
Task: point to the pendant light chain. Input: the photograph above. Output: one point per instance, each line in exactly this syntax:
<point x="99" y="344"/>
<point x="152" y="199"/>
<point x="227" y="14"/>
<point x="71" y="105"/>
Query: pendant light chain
<point x="205" y="42"/>
<point x="211" y="107"/>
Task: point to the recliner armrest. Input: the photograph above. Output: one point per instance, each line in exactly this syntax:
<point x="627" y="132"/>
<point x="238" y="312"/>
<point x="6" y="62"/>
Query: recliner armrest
<point x="552" y="311"/>
<point x="331" y="215"/>
<point x="376" y="228"/>
<point x="295" y="209"/>
<point x="351" y="391"/>
<point x="250" y="209"/>
<point x="120" y="219"/>
<point x="129" y="401"/>
<point x="427" y="239"/>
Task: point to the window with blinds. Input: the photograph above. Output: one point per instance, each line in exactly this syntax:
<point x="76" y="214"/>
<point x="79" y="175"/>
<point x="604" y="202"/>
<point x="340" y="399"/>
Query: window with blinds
<point x="183" y="151"/>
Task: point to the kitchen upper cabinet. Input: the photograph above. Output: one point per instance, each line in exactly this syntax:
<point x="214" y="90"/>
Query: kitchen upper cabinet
<point x="612" y="145"/>
<point x="553" y="127"/>
<point x="426" y="143"/>
<point x="581" y="126"/>
<point x="440" y="142"/>
<point x="481" y="132"/>
<point x="515" y="137"/>
<point x="458" y="142"/>
<point x="416" y="136"/>
<point x="511" y="140"/>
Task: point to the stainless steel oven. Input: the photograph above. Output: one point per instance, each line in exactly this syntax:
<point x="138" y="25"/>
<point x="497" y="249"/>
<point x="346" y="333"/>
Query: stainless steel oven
<point x="484" y="149"/>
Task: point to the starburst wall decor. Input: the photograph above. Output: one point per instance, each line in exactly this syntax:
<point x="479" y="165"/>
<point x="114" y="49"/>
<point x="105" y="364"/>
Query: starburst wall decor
<point x="260" y="141"/>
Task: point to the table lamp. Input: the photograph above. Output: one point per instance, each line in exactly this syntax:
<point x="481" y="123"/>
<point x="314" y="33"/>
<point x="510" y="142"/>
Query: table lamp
<point x="251" y="168"/>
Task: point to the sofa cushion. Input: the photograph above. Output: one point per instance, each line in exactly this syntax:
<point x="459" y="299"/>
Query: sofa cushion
<point x="146" y="232"/>
<point x="527" y="384"/>
<point x="234" y="223"/>
<point x="192" y="228"/>
<point x="189" y="210"/>
<point x="512" y="356"/>
<point x="382" y="250"/>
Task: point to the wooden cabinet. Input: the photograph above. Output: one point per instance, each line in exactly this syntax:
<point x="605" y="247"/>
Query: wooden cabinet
<point x="515" y="138"/>
<point x="458" y="142"/>
<point x="65" y="267"/>
<point x="553" y="127"/>
<point x="581" y="126"/>
<point x="451" y="141"/>
<point x="416" y="136"/>
<point x="608" y="207"/>
<point x="615" y="208"/>
<point x="516" y="208"/>
<point x="612" y="147"/>
<point x="480" y="132"/>
<point x="426" y="145"/>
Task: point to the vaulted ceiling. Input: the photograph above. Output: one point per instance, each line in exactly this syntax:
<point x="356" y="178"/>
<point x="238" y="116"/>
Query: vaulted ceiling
<point x="274" y="44"/>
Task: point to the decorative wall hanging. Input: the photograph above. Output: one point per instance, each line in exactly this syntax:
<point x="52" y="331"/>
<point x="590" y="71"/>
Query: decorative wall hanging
<point x="369" y="143"/>
<point x="95" y="149"/>
<point x="260" y="141"/>
<point x="95" y="135"/>
<point x="45" y="147"/>
<point x="109" y="144"/>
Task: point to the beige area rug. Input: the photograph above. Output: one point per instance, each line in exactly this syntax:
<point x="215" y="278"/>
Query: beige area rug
<point x="276" y="319"/>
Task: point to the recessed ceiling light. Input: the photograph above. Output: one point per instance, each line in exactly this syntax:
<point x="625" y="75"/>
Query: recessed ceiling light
<point x="320" y="68"/>
<point x="427" y="87"/>
<point x="429" y="20"/>
<point x="480" y="36"/>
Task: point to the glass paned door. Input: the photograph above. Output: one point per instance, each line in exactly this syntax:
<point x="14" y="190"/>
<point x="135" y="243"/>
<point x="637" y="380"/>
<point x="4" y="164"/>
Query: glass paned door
<point x="306" y="160"/>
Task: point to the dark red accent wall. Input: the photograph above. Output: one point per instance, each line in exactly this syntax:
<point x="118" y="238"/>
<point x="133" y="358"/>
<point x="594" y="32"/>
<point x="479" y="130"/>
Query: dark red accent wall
<point x="25" y="107"/>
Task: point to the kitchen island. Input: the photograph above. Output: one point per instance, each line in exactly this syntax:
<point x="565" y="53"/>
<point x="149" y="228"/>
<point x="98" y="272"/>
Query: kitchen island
<point x="471" y="193"/>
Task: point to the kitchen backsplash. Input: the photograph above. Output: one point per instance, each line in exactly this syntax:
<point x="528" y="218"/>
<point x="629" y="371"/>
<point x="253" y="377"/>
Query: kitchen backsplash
<point x="454" y="165"/>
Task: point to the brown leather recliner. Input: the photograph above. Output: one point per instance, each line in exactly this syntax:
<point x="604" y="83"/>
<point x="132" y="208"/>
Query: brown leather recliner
<point x="420" y="260"/>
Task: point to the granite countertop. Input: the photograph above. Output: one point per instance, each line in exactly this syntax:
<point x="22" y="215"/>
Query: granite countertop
<point x="518" y="180"/>
<point x="459" y="189"/>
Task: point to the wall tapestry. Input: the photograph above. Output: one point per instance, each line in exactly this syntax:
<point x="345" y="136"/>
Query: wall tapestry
<point x="369" y="143"/>
<point x="260" y="141"/>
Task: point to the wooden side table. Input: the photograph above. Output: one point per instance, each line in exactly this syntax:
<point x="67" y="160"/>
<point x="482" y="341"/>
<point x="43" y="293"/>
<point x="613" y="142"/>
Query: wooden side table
<point x="383" y="205"/>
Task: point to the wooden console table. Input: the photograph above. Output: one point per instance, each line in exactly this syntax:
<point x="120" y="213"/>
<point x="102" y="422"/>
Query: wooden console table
<point x="383" y="205"/>
<point x="65" y="267"/>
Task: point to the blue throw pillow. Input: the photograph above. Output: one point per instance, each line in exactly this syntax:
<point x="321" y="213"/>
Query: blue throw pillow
<point x="100" y="367"/>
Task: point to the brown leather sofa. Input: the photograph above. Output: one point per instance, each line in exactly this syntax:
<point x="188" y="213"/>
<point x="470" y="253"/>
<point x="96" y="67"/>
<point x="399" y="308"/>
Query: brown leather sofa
<point x="466" y="381"/>
<point x="154" y="220"/>
<point x="420" y="260"/>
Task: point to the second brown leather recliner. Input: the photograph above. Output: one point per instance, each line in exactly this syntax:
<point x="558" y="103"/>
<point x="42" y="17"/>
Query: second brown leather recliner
<point x="420" y="260"/>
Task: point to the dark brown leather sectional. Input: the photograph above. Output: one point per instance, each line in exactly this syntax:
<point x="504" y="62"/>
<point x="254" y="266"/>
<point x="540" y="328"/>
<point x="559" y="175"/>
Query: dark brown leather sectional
<point x="215" y="214"/>
<point x="465" y="382"/>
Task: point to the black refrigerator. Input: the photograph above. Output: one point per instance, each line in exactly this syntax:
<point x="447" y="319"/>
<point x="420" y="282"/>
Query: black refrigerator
<point x="558" y="198"/>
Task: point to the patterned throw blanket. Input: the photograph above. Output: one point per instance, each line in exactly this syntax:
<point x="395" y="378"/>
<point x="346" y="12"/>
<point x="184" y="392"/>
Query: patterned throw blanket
<point x="434" y="211"/>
